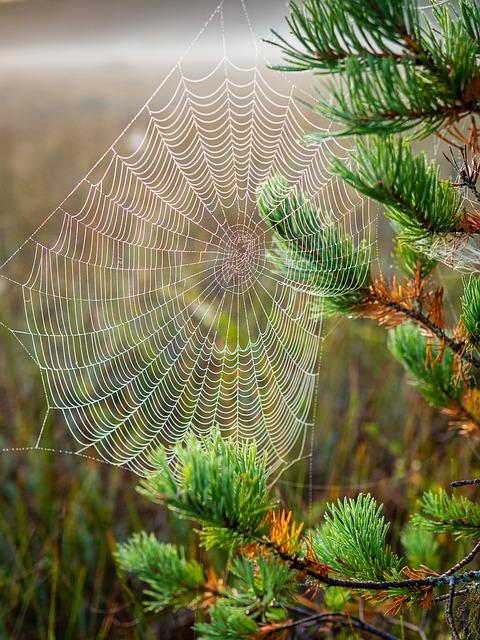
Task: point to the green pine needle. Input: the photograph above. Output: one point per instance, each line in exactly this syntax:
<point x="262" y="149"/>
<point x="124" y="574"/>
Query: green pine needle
<point x="435" y="380"/>
<point x="173" y="580"/>
<point x="265" y="585"/>
<point x="228" y="621"/>
<point x="399" y="69"/>
<point x="471" y="307"/>
<point x="219" y="484"/>
<point x="414" y="196"/>
<point x="328" y="33"/>
<point x="312" y="253"/>
<point x="353" y="540"/>
<point x="443" y="513"/>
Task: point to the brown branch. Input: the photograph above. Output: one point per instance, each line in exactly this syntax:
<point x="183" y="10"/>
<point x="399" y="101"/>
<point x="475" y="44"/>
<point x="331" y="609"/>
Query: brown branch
<point x="464" y="483"/>
<point x="466" y="560"/>
<point x="306" y="566"/>
<point x="408" y="625"/>
<point x="459" y="347"/>
<point x="450" y="615"/>
<point x="457" y="594"/>
<point x="391" y="303"/>
<point x="334" y="618"/>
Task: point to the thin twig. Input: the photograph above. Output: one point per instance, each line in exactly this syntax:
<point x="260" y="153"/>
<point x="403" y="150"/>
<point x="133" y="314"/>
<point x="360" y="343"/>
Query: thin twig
<point x="450" y="615"/>
<point x="466" y="560"/>
<point x="445" y="596"/>
<point x="457" y="346"/>
<point x="408" y="625"/>
<point x="337" y="618"/>
<point x="464" y="483"/>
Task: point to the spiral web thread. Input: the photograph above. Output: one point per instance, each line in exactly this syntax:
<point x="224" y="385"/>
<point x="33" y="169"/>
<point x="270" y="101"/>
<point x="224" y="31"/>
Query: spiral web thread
<point x="153" y="307"/>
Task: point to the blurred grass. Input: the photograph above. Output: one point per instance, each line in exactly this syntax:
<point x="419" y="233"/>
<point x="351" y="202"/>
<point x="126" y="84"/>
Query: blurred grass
<point x="60" y="514"/>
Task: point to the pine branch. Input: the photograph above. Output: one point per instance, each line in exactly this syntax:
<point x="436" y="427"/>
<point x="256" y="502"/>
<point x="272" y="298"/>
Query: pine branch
<point x="173" y="580"/>
<point x="310" y="569"/>
<point x="349" y="551"/>
<point x="329" y="34"/>
<point x="398" y="70"/>
<point x="312" y="252"/>
<point x="228" y="621"/>
<point x="433" y="374"/>
<point x="458" y="593"/>
<point x="221" y="486"/>
<point x="379" y="98"/>
<point x="459" y="347"/>
<point x="410" y="188"/>
<point x="443" y="513"/>
<point x="189" y="497"/>
<point x="358" y="528"/>
<point x="449" y="613"/>
<point x="464" y="483"/>
<point x="376" y="303"/>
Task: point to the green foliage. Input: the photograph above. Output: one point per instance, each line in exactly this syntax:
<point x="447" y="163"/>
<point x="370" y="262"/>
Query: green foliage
<point x="421" y="547"/>
<point x="471" y="307"/>
<point x="415" y="198"/>
<point x="262" y="581"/>
<point x="263" y="584"/>
<point x="443" y="513"/>
<point x="471" y="20"/>
<point x="379" y="97"/>
<point x="434" y="378"/>
<point x="228" y="621"/>
<point x="220" y="485"/>
<point x="409" y="261"/>
<point x="330" y="33"/>
<point x="173" y="580"/>
<point x="262" y="588"/>
<point x="336" y="598"/>
<point x="313" y="253"/>
<point x="353" y="540"/>
<point x="398" y="69"/>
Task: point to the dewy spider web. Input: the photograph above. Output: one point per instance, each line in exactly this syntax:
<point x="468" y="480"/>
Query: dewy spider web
<point x="152" y="307"/>
<point x="459" y="251"/>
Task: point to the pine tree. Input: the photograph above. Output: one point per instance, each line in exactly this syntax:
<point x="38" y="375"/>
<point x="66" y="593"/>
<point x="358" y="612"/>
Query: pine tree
<point x="399" y="75"/>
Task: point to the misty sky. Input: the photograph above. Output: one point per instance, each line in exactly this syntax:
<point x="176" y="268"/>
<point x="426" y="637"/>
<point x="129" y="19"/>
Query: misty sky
<point x="92" y="32"/>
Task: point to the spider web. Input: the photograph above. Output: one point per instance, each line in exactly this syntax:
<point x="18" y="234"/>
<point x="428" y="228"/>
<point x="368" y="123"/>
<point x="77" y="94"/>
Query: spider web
<point x="460" y="250"/>
<point x="153" y="307"/>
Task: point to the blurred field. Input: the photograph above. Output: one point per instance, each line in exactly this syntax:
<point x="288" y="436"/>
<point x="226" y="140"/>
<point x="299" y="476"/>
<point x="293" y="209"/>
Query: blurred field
<point x="60" y="515"/>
